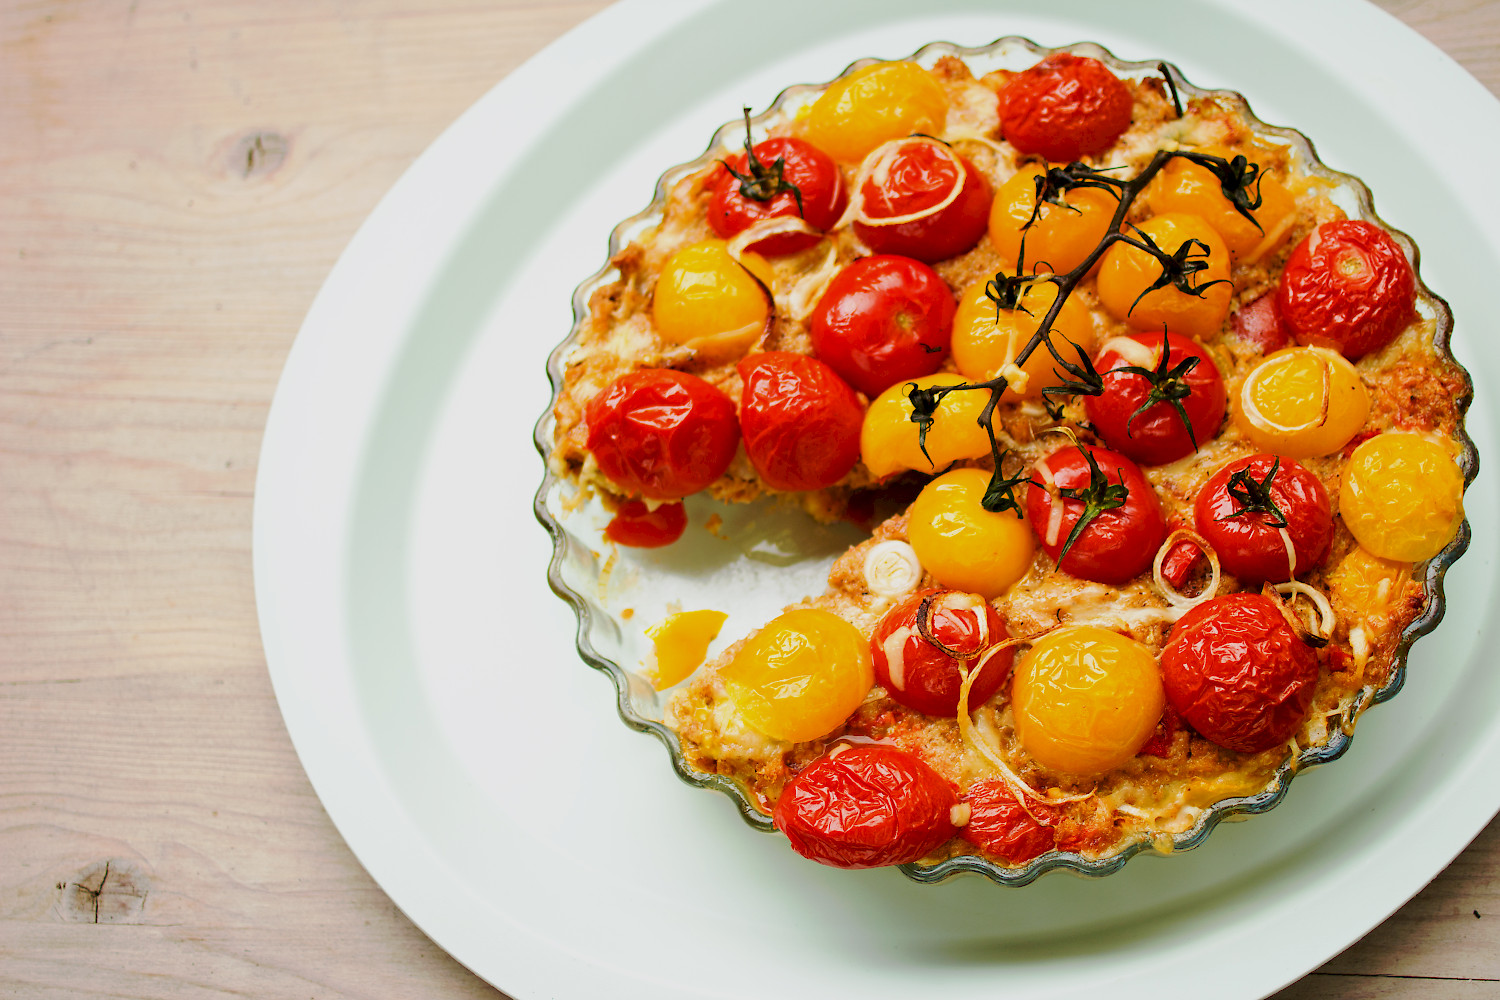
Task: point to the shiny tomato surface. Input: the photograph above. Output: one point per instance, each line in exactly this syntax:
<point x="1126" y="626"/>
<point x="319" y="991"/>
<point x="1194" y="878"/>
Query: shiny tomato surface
<point x="638" y="525"/>
<point x="1235" y="670"/>
<point x="811" y="170"/>
<point x="1157" y="434"/>
<point x="998" y="825"/>
<point x="866" y="806"/>
<point x="799" y="420"/>
<point x="661" y="433"/>
<point x="919" y="177"/>
<point x="1347" y="286"/>
<point x="1259" y="325"/>
<point x="1117" y="544"/>
<point x="883" y="319"/>
<point x="920" y="675"/>
<point x="1246" y="538"/>
<point x="1064" y="107"/>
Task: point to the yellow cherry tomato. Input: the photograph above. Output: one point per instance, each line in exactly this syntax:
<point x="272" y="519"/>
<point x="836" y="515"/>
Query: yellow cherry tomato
<point x="985" y="339"/>
<point x="1186" y="187"/>
<point x="889" y="441"/>
<point x="1127" y="271"/>
<point x="679" y="642"/>
<point x="874" y="105"/>
<point x="1301" y="402"/>
<point x="1086" y="699"/>
<point x="1402" y="497"/>
<point x="707" y="301"/>
<point x="963" y="545"/>
<point x="800" y="676"/>
<point x="1061" y="237"/>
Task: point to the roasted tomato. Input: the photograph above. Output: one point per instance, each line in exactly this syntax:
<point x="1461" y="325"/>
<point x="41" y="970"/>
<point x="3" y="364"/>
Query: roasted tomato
<point x="864" y="806"/>
<point x="873" y="105"/>
<point x="1060" y="237"/>
<point x="1402" y="496"/>
<point x="1259" y="325"/>
<point x="1065" y="107"/>
<point x="644" y="527"/>
<point x="922" y="200"/>
<point x="988" y="336"/>
<point x="1267" y="518"/>
<point x="1129" y="276"/>
<point x="1157" y="405"/>
<point x="1302" y="402"/>
<point x="927" y="678"/>
<point x="1185" y="186"/>
<point x="708" y="301"/>
<point x="999" y="825"/>
<point x="800" y="421"/>
<point x="963" y="545"/>
<point x="891" y="442"/>
<point x="777" y="177"/>
<point x="1347" y="286"/>
<point x="801" y="676"/>
<point x="883" y="319"/>
<point x="661" y="433"/>
<point x="1098" y="507"/>
<point x="1236" y="671"/>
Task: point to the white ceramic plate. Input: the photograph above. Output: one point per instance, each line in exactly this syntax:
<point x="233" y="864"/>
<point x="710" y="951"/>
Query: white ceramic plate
<point x="476" y="766"/>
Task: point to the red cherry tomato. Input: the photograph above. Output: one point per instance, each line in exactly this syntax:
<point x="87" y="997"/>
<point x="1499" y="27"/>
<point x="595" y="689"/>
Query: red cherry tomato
<point x="1235" y="670"/>
<point x="641" y="527"/>
<point x="866" y="806"/>
<point x="1246" y="535"/>
<point x="800" y="421"/>
<point x="1118" y="543"/>
<point x="1347" y="286"/>
<point x="919" y="177"/>
<point x="661" y="433"/>
<point x="920" y="675"/>
<point x="811" y="170"/>
<point x="1064" y="107"/>
<point x="1157" y="434"/>
<point x="883" y="319"/>
<point x="1259" y="325"/>
<point x="998" y="824"/>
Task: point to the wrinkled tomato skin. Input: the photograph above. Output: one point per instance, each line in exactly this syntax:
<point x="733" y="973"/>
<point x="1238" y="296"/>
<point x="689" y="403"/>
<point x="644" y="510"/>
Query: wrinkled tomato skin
<point x="1247" y="544"/>
<point x="1235" y="670"/>
<point x="808" y="167"/>
<point x="799" y="420"/>
<point x="1259" y="325"/>
<point x="1347" y="286"/>
<point x="1118" y="544"/>
<point x="640" y="527"/>
<point x="999" y="826"/>
<point x="1157" y="436"/>
<point x="1065" y="107"/>
<point x="931" y="679"/>
<point x="661" y="433"/>
<point x="920" y="179"/>
<point x="866" y="806"/>
<point x="883" y="319"/>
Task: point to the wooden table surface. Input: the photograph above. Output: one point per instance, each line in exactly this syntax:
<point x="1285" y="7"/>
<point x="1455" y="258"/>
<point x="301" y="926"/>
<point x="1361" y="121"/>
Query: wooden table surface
<point x="176" y="180"/>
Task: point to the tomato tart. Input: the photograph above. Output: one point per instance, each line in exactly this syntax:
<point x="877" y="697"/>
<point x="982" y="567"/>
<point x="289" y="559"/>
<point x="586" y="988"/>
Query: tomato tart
<point x="1166" y="425"/>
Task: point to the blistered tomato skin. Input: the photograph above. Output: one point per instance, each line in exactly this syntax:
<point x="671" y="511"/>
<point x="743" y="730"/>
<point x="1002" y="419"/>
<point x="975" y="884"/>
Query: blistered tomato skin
<point x="1236" y="671"/>
<point x="1127" y="273"/>
<point x="883" y="319"/>
<point x="1116" y="545"/>
<point x="1302" y="402"/>
<point x="1157" y="434"/>
<point x="1065" y="107"/>
<point x="801" y="676"/>
<point x="1402" y="497"/>
<point x="813" y="172"/>
<point x="920" y="675"/>
<point x="873" y="105"/>
<point x="642" y="527"/>
<point x="865" y="806"/>
<point x="920" y="178"/>
<point x="964" y="546"/>
<point x="1347" y="286"/>
<point x="661" y="433"/>
<point x="799" y="420"/>
<point x="1062" y="236"/>
<point x="1247" y="541"/>
<point x="890" y="442"/>
<point x="999" y="826"/>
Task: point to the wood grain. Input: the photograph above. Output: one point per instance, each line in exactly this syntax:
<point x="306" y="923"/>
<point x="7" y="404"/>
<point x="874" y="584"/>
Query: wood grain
<point x="176" y="180"/>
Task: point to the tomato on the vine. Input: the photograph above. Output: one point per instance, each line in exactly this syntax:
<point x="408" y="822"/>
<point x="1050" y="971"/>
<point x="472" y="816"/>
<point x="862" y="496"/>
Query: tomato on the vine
<point x="1237" y="672"/>
<point x="1158" y="404"/>
<point x="1245" y="507"/>
<point x="661" y="433"/>
<point x="922" y="676"/>
<point x="866" y="805"/>
<point x="748" y="188"/>
<point x="1000" y="825"/>
<point x="641" y="526"/>
<point x="1064" y="108"/>
<point x="1095" y="513"/>
<point x="1347" y="286"/>
<point x="915" y="177"/>
<point x="799" y="420"/>
<point x="883" y="319"/>
<point x="1058" y="237"/>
